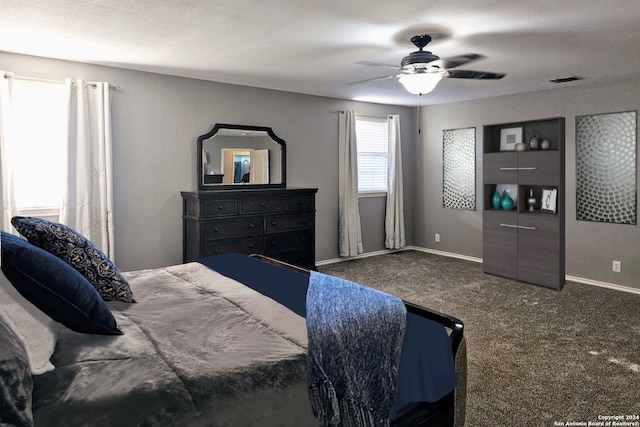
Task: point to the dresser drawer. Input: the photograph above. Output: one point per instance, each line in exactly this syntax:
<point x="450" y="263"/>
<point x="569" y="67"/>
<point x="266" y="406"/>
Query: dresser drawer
<point x="288" y="241"/>
<point x="277" y="223"/>
<point x="216" y="208"/>
<point x="259" y="205"/>
<point x="248" y="245"/>
<point x="301" y="203"/>
<point x="233" y="227"/>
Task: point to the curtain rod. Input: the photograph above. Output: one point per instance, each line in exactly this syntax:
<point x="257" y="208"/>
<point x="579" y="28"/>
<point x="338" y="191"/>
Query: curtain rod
<point x="37" y="79"/>
<point x="362" y="115"/>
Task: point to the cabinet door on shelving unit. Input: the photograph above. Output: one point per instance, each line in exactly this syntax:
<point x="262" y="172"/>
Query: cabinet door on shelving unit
<point x="500" y="168"/>
<point x="538" y="168"/>
<point x="500" y="243"/>
<point x="539" y="249"/>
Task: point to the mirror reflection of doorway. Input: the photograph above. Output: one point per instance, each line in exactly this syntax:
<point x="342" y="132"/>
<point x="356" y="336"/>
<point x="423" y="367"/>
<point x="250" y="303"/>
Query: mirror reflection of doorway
<point x="246" y="166"/>
<point x="260" y="166"/>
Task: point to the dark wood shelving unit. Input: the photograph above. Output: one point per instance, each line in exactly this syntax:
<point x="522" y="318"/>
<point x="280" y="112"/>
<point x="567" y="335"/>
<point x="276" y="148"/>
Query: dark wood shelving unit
<point x="520" y="244"/>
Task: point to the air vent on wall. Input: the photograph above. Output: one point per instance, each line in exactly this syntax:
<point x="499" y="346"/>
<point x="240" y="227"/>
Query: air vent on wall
<point x="567" y="79"/>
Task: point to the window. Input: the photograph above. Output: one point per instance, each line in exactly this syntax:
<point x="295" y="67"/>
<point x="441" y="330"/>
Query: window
<point x="37" y="150"/>
<point x="373" y="147"/>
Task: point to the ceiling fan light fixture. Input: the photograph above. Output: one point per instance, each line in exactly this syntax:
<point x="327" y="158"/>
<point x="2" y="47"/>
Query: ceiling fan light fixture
<point x="420" y="83"/>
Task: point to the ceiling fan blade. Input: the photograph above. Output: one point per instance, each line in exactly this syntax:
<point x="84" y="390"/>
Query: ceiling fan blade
<point x="378" y="64"/>
<point x="372" y="80"/>
<point x="468" y="74"/>
<point x="456" y="61"/>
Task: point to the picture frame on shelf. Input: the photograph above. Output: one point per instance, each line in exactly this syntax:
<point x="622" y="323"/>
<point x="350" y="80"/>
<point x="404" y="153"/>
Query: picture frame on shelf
<point x="549" y="200"/>
<point x="509" y="137"/>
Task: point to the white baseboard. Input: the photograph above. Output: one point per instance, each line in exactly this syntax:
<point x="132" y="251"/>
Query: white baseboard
<point x="603" y="284"/>
<point x="474" y="259"/>
<point x="443" y="253"/>
<point x="363" y="255"/>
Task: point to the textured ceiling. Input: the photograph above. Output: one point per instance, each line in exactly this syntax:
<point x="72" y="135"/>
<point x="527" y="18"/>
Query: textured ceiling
<point x="320" y="47"/>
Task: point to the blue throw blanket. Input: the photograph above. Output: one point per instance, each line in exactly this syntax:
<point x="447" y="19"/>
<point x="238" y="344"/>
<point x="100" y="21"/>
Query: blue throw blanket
<point x="355" y="338"/>
<point x="426" y="372"/>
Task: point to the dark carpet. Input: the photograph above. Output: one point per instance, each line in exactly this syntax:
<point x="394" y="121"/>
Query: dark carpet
<point x="536" y="357"/>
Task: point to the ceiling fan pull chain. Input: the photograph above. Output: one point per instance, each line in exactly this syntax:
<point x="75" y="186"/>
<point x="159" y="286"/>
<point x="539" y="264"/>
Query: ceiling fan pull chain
<point x="418" y="121"/>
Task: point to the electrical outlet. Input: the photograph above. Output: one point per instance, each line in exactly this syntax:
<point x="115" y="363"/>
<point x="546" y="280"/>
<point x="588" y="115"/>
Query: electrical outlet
<point x="617" y="265"/>
<point x="437" y="238"/>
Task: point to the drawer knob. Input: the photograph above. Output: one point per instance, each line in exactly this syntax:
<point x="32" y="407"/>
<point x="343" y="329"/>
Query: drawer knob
<point x="220" y="208"/>
<point x="274" y="223"/>
<point x="263" y="205"/>
<point x="216" y="229"/>
<point x="252" y="225"/>
<point x="303" y="221"/>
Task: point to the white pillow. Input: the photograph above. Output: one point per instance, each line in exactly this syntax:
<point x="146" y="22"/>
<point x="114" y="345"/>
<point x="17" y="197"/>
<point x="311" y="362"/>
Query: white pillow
<point x="36" y="330"/>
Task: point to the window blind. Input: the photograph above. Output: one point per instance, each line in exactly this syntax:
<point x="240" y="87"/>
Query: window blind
<point x="372" y="146"/>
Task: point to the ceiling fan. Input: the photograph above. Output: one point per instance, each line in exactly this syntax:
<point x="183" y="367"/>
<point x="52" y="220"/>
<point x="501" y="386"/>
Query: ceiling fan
<point x="421" y="70"/>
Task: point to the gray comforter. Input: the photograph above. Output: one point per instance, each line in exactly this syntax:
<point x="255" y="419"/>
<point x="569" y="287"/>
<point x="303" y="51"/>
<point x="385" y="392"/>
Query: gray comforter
<point x="198" y="349"/>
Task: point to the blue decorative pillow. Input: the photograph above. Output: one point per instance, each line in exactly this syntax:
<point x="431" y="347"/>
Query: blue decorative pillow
<point x="55" y="287"/>
<point x="78" y="252"/>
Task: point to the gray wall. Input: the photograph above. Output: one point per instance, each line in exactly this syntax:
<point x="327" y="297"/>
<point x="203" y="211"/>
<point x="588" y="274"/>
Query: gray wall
<point x="590" y="247"/>
<point x="157" y="119"/>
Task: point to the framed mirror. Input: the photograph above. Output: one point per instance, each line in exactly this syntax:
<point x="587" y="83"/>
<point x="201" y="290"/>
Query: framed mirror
<point x="239" y="156"/>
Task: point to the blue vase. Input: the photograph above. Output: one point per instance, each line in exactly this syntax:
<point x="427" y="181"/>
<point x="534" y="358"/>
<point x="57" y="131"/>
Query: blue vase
<point x="507" y="202"/>
<point x="496" y="199"/>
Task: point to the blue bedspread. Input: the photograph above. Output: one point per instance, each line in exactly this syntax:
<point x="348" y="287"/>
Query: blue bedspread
<point x="426" y="371"/>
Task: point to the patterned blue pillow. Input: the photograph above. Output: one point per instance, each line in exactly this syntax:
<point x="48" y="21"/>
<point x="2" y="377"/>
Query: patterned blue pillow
<point x="55" y="287"/>
<point x="78" y="252"/>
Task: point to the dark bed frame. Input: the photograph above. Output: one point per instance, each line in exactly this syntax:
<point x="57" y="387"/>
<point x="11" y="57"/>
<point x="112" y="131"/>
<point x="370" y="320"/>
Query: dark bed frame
<point x="437" y="414"/>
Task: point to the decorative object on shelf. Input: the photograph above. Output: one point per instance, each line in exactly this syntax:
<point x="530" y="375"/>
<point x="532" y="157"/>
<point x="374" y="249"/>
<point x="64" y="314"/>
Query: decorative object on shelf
<point x="533" y="143"/>
<point x="521" y="146"/>
<point x="531" y="201"/>
<point x="512" y="189"/>
<point x="545" y="144"/>
<point x="509" y="137"/>
<point x="496" y="200"/>
<point x="459" y="168"/>
<point x="548" y="201"/>
<point x="507" y="202"/>
<point x="606" y="167"/>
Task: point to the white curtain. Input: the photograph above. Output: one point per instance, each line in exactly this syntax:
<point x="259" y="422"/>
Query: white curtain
<point x="350" y="234"/>
<point x="6" y="177"/>
<point x="394" y="218"/>
<point x="87" y="204"/>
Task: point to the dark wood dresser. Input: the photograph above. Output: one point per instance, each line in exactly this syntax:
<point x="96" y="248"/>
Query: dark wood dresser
<point x="279" y="223"/>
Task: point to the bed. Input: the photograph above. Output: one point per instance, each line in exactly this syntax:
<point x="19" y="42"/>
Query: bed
<point x="206" y="343"/>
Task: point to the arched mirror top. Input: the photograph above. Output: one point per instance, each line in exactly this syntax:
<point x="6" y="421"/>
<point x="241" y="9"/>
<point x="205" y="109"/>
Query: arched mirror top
<point x="240" y="156"/>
